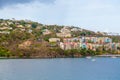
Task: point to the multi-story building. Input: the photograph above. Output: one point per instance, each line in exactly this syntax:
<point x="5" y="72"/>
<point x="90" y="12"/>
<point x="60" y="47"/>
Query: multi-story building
<point x="92" y="43"/>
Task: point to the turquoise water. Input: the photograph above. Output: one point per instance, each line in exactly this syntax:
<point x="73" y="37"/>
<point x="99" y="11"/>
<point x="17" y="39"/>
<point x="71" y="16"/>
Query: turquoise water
<point x="60" y="69"/>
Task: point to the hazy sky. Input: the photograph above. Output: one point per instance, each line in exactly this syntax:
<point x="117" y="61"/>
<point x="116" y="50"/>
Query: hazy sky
<point x="97" y="15"/>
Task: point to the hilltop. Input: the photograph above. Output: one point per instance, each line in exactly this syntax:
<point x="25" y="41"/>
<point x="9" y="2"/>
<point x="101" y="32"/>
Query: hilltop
<point x="25" y="38"/>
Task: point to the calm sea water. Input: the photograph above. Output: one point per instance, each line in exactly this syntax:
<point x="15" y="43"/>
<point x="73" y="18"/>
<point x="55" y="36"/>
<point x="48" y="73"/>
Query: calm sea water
<point x="60" y="69"/>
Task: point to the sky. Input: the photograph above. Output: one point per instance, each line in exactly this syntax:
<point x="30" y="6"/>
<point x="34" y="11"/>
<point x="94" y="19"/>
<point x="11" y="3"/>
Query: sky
<point x="96" y="15"/>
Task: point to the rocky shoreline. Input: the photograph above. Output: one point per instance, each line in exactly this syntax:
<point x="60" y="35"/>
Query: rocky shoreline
<point x="51" y="57"/>
<point x="110" y="55"/>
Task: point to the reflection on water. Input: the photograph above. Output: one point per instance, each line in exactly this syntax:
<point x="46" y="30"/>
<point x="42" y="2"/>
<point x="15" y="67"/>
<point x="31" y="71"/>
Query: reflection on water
<point x="60" y="69"/>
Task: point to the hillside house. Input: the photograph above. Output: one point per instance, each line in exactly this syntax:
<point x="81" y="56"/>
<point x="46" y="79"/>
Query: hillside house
<point x="71" y="40"/>
<point x="76" y="29"/>
<point x="65" y="30"/>
<point x="6" y="28"/>
<point x="4" y="32"/>
<point x="54" y="39"/>
<point x="20" y="26"/>
<point x="46" y="32"/>
<point x="69" y="45"/>
<point x="64" y="33"/>
<point x="87" y="42"/>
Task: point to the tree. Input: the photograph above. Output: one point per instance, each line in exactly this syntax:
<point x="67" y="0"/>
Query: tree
<point x="22" y="22"/>
<point x="34" y="25"/>
<point x="4" y="52"/>
<point x="12" y="25"/>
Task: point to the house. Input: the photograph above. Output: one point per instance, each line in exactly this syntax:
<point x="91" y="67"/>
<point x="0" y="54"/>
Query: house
<point x="54" y="39"/>
<point x="83" y="45"/>
<point x="5" y="28"/>
<point x="115" y="46"/>
<point x="46" y="32"/>
<point x="65" y="32"/>
<point x="4" y="32"/>
<point x="93" y="46"/>
<point x="20" y="26"/>
<point x="62" y="46"/>
<point x="63" y="35"/>
<point x="69" y="45"/>
<point x="28" y="25"/>
<point x="108" y="40"/>
<point x="9" y="22"/>
<point x="30" y="31"/>
<point x="99" y="40"/>
<point x="92" y="43"/>
<point x="71" y="40"/>
<point x="4" y="24"/>
<point x="65" y="46"/>
<point x="76" y="29"/>
<point x="118" y="47"/>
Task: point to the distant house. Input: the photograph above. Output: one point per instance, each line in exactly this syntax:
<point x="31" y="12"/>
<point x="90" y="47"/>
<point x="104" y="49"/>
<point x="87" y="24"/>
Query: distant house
<point x="20" y="26"/>
<point x="4" y="24"/>
<point x="54" y="40"/>
<point x="5" y="28"/>
<point x="83" y="45"/>
<point x="92" y="43"/>
<point x="76" y="29"/>
<point x="99" y="40"/>
<point x="93" y="46"/>
<point x="115" y="46"/>
<point x="9" y="22"/>
<point x="71" y="40"/>
<point x="62" y="46"/>
<point x="46" y="32"/>
<point x="69" y="45"/>
<point x="30" y="31"/>
<point x="63" y="35"/>
<point x="4" y="32"/>
<point x="38" y="27"/>
<point x="28" y="25"/>
<point x="108" y="40"/>
<point x="65" y="30"/>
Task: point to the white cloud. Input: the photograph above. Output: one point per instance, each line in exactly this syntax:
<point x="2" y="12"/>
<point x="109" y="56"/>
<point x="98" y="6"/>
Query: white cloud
<point x="90" y="14"/>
